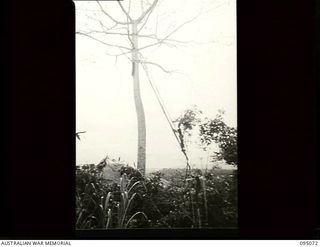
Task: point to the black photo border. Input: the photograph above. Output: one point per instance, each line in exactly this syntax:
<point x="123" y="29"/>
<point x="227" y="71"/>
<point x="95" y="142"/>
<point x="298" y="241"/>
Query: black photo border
<point x="277" y="60"/>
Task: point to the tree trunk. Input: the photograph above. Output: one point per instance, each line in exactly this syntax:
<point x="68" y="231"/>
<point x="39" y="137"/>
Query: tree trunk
<point x="141" y="159"/>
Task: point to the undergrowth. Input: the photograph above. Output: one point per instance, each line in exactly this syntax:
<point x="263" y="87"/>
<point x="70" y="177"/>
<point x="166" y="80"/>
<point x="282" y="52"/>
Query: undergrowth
<point x="161" y="200"/>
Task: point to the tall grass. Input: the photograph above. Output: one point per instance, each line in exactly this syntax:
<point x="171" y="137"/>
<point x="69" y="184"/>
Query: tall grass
<point x="99" y="206"/>
<point x="126" y="200"/>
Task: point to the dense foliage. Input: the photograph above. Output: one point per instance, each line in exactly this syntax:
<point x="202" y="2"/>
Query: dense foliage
<point x="188" y="120"/>
<point x="216" y="130"/>
<point x="165" y="199"/>
<point x="209" y="131"/>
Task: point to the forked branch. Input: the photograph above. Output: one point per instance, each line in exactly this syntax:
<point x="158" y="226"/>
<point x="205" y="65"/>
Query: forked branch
<point x="110" y="17"/>
<point x="125" y="12"/>
<point x="150" y="9"/>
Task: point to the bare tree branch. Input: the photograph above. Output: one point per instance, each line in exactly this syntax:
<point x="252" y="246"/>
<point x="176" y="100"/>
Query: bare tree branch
<point x="104" y="32"/>
<point x="157" y="22"/>
<point x="122" y="53"/>
<point x="125" y="54"/>
<point x="125" y="12"/>
<point x="100" y="22"/>
<point x="144" y="62"/>
<point x="128" y="27"/>
<point x="129" y="38"/>
<point x="150" y="9"/>
<point x="145" y="22"/>
<point x="139" y="36"/>
<point x="153" y="36"/>
<point x="102" y="42"/>
<point x="110" y="17"/>
<point x="157" y="65"/>
<point x="129" y="8"/>
<point x="171" y="33"/>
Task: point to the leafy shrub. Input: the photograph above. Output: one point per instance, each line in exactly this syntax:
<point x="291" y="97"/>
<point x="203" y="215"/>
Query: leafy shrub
<point x="216" y="130"/>
<point x="208" y="200"/>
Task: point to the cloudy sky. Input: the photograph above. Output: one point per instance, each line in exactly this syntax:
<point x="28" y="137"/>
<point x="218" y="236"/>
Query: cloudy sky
<point x="202" y="56"/>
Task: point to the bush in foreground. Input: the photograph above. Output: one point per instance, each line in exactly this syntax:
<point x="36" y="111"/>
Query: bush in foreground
<point x="162" y="200"/>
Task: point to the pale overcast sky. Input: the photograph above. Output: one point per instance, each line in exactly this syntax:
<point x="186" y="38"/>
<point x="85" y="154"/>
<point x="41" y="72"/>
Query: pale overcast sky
<point x="104" y="94"/>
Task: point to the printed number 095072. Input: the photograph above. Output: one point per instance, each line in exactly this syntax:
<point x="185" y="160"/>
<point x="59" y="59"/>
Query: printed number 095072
<point x="309" y="243"/>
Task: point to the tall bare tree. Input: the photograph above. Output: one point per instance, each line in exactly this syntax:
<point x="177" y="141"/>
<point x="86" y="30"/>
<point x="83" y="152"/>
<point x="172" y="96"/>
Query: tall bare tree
<point x="130" y="26"/>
